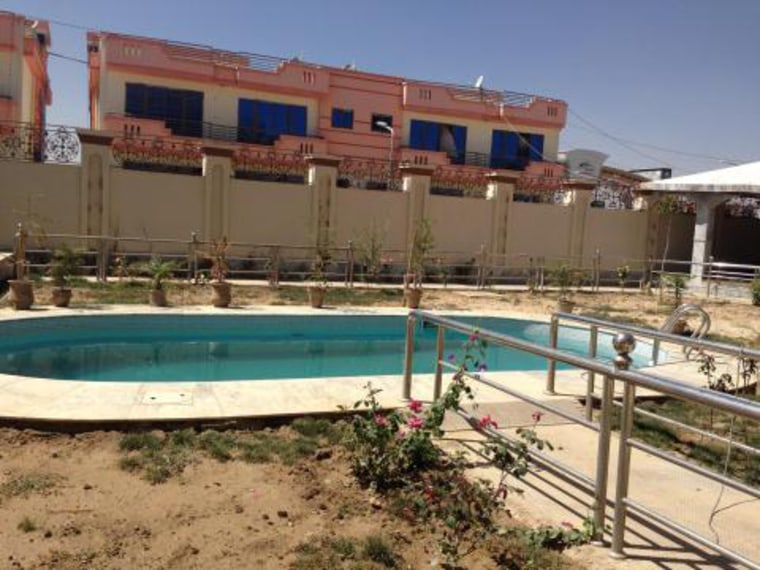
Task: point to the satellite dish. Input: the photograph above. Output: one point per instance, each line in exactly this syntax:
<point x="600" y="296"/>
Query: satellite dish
<point x="479" y="82"/>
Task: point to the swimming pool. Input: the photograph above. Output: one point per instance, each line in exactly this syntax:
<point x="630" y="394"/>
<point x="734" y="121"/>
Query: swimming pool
<point x="180" y="347"/>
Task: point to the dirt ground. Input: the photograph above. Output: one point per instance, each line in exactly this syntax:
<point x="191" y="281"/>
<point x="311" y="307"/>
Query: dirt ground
<point x="92" y="514"/>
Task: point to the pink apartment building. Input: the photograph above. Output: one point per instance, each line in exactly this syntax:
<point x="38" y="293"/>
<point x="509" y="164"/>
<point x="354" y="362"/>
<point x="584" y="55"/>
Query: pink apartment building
<point x="148" y="87"/>
<point x="24" y="84"/>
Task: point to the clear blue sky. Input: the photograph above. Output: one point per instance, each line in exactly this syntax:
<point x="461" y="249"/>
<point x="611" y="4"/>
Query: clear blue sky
<point x="677" y="74"/>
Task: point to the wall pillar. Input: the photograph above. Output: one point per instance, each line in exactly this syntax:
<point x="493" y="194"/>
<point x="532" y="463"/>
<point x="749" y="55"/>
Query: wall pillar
<point x="703" y="233"/>
<point x="217" y="180"/>
<point x="581" y="202"/>
<point x="95" y="182"/>
<point x="500" y="191"/>
<point x="321" y="184"/>
<point x="416" y="186"/>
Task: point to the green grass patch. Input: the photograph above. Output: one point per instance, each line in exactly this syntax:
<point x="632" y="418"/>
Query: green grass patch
<point x="159" y="458"/>
<point x="371" y="553"/>
<point x="27" y="525"/>
<point x="25" y="485"/>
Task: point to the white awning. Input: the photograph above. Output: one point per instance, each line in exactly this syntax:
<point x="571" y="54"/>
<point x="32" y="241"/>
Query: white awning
<point x="739" y="180"/>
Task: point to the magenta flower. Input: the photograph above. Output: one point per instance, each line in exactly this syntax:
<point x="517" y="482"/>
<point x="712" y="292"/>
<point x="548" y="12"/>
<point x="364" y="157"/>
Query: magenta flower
<point x="401" y="434"/>
<point x="415" y="423"/>
<point x="381" y="420"/>
<point x="487" y="421"/>
<point x="452" y="357"/>
<point x="415" y="406"/>
<point x="537" y="415"/>
<point x="473" y="337"/>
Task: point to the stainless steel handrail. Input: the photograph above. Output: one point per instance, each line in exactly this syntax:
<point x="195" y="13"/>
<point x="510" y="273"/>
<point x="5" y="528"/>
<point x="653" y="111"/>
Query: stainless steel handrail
<point x="624" y="343"/>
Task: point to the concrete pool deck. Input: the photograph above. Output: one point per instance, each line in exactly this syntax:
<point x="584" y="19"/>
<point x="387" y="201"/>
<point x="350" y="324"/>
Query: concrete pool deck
<point x="44" y="400"/>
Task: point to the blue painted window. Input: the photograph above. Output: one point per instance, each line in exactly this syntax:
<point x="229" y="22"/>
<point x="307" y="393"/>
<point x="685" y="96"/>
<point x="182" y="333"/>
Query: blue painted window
<point x="514" y="150"/>
<point x="180" y="109"/>
<point x="451" y="139"/>
<point x="343" y="118"/>
<point x="263" y="122"/>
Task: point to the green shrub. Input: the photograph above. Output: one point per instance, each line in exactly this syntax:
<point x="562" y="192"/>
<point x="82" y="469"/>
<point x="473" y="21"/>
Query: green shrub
<point x="755" y="288"/>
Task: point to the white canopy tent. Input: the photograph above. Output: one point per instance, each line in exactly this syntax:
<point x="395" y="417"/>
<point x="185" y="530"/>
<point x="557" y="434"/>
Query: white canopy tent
<point x="709" y="190"/>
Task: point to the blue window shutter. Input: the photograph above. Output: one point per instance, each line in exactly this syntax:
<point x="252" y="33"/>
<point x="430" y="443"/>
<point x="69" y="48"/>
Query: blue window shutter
<point x="245" y="120"/>
<point x="460" y="138"/>
<point x="536" y="147"/>
<point x="513" y="143"/>
<point x="416" y="133"/>
<point x="135" y="99"/>
<point x="432" y="136"/>
<point x="498" y="148"/>
<point x="156" y="103"/>
<point x="297" y="121"/>
<point x="337" y="118"/>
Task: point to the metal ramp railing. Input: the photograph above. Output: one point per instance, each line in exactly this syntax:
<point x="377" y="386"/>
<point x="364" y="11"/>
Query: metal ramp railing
<point x="682" y="311"/>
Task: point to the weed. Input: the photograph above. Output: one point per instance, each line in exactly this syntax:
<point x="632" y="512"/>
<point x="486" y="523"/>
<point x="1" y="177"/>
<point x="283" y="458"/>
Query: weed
<point x="24" y="485"/>
<point x="27" y="525"/>
<point x="140" y="441"/>
<point x="218" y="445"/>
<point x="131" y="463"/>
<point x="378" y="550"/>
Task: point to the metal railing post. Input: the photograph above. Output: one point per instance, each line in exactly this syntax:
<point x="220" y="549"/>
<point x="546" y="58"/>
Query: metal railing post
<point x="440" y="342"/>
<point x="603" y="458"/>
<point x="553" y="337"/>
<point x="192" y="259"/>
<point x="592" y="348"/>
<point x="350" y="264"/>
<point x="710" y="261"/>
<point x="99" y="264"/>
<point x="19" y="251"/>
<point x="624" y="344"/>
<point x="408" y="357"/>
<point x="598" y="263"/>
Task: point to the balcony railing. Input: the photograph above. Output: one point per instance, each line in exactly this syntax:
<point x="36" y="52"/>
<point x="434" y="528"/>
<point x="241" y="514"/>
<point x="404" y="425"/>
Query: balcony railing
<point x="489" y="96"/>
<point x="34" y="143"/>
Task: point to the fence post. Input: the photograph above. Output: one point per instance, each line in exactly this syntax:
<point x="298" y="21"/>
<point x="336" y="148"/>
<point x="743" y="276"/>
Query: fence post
<point x="483" y="268"/>
<point x="350" y="264"/>
<point x="592" y="347"/>
<point x="598" y="264"/>
<point x="440" y="342"/>
<point x="553" y="336"/>
<point x="192" y="258"/>
<point x="710" y="261"/>
<point x="19" y="251"/>
<point x="603" y="458"/>
<point x="624" y="344"/>
<point x="408" y="357"/>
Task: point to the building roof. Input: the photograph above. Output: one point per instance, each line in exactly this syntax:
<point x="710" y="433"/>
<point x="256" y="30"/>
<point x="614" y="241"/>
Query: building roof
<point x="741" y="180"/>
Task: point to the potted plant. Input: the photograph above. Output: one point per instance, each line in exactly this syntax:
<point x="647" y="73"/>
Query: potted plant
<point x="159" y="271"/>
<point x="317" y="288"/>
<point x="422" y="244"/>
<point x="564" y="277"/>
<point x="219" y="269"/>
<point x="64" y="264"/>
<point x="21" y="290"/>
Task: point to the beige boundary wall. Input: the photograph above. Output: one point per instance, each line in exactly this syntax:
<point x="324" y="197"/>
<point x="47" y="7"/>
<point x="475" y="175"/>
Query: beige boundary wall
<point x="101" y="198"/>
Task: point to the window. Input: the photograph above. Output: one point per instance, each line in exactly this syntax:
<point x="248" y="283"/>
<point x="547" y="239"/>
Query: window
<point x="451" y="139"/>
<point x="343" y="118"/>
<point x="180" y="109"/>
<point x="514" y="150"/>
<point x="263" y="122"/>
<point x="378" y="118"/>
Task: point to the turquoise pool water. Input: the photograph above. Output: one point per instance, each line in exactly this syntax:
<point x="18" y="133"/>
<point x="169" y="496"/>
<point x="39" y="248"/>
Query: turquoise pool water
<point x="164" y="348"/>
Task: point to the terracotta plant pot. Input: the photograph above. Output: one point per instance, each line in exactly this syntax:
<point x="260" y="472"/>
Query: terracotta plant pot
<point x="412" y="297"/>
<point x="565" y="305"/>
<point x="158" y="298"/>
<point x="317" y="296"/>
<point x="61" y="297"/>
<point x="222" y="294"/>
<point x="22" y="294"/>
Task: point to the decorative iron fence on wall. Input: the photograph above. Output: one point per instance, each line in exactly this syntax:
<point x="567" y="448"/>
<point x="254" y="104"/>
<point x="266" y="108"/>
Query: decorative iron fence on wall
<point x="269" y="165"/>
<point x="369" y="174"/>
<point x="32" y="143"/>
<point x="157" y="154"/>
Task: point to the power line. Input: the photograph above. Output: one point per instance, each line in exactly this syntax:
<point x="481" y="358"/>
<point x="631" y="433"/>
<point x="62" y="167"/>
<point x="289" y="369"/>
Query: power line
<point x="619" y="141"/>
<point x="67" y="57"/>
<point x="668" y="150"/>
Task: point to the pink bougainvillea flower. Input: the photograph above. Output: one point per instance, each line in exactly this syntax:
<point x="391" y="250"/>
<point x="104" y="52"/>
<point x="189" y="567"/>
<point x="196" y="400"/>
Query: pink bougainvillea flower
<point x="401" y="434"/>
<point x="414" y="422"/>
<point x="473" y="337"/>
<point x="537" y="415"/>
<point x="415" y="406"/>
<point x="381" y="420"/>
<point x="487" y="421"/>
